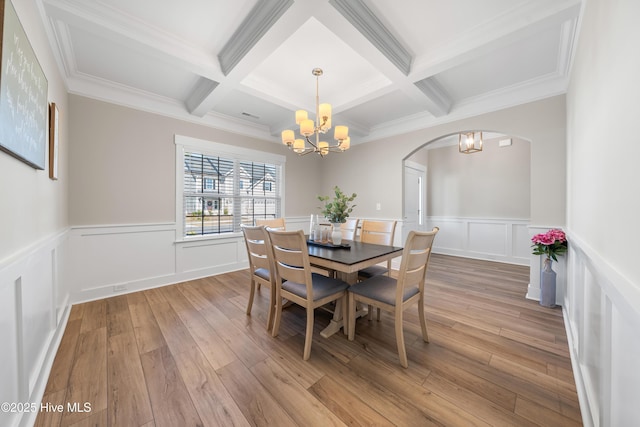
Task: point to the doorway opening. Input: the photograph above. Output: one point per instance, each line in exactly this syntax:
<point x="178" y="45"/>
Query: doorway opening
<point x="480" y="201"/>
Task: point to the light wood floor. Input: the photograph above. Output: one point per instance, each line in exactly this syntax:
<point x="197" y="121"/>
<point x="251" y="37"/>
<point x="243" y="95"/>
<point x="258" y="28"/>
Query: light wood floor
<point x="188" y="355"/>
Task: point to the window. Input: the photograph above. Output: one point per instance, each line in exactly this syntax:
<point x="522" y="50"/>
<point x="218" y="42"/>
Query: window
<point x="220" y="187"/>
<point x="209" y="184"/>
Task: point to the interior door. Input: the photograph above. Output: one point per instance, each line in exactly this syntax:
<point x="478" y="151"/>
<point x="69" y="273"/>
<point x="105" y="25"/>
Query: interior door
<point x="415" y="177"/>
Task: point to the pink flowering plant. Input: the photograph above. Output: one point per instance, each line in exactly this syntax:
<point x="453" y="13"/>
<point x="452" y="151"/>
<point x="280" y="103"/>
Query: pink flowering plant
<point x="552" y="243"/>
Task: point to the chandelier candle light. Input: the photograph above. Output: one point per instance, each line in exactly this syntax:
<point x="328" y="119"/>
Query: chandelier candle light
<point x="321" y="126"/>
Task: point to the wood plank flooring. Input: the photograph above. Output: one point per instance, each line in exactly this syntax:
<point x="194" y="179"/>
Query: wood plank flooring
<point x="188" y="355"/>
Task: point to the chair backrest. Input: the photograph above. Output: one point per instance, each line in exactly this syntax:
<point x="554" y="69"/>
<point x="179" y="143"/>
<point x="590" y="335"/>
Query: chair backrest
<point x="291" y="257"/>
<point x="415" y="260"/>
<point x="276" y="223"/>
<point x="259" y="249"/>
<point x="378" y="232"/>
<point x="349" y="229"/>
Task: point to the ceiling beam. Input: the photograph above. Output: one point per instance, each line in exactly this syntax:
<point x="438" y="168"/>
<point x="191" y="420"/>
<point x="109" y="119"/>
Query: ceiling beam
<point x="261" y="18"/>
<point x="362" y="18"/>
<point x="200" y="92"/>
<point x="333" y="19"/>
<point x="436" y="94"/>
<point x="291" y="18"/>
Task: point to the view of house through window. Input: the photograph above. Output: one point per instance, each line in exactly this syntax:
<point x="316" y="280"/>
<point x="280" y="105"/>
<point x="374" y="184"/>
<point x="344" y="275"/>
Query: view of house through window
<point x="220" y="194"/>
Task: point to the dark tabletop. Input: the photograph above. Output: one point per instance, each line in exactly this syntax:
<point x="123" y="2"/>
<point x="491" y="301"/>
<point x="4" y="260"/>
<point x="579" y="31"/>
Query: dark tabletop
<point x="357" y="252"/>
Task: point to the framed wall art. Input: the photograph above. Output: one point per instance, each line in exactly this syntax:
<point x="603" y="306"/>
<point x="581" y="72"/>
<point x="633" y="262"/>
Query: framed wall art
<point x="53" y="141"/>
<point x="23" y="93"/>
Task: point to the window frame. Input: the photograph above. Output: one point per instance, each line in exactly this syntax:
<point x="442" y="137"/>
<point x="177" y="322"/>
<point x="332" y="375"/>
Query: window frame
<point x="237" y="154"/>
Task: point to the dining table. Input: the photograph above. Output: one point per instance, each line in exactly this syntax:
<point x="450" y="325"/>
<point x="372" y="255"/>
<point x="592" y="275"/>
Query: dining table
<point x="346" y="260"/>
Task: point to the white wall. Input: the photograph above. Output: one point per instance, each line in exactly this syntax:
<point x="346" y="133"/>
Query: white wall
<point x="603" y="296"/>
<point x="33" y="251"/>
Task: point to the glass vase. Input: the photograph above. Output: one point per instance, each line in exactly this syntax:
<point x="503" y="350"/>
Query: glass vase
<point x="336" y="233"/>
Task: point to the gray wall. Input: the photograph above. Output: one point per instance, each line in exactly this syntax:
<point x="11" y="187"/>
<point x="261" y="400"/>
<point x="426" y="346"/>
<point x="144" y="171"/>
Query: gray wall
<point x="494" y="183"/>
<point x="374" y="170"/>
<point x="122" y="165"/>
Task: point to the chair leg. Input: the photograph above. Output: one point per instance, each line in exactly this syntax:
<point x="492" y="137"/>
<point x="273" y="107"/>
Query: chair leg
<point x="351" y="316"/>
<point x="252" y="293"/>
<point x="272" y="309"/>
<point x="423" y="320"/>
<point x="278" y="315"/>
<point x="345" y="312"/>
<point x="402" y="351"/>
<point x="308" y="334"/>
<point x="370" y="312"/>
<point x="378" y="314"/>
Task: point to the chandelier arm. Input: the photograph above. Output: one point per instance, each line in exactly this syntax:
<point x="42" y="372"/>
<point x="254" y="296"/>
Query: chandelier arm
<point x="315" y="146"/>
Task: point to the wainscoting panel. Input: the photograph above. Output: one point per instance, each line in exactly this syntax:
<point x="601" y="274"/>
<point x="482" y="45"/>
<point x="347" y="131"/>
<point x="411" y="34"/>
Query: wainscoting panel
<point x="220" y="254"/>
<point x="602" y="317"/>
<point x="520" y="241"/>
<point x="38" y="313"/>
<point x="504" y="240"/>
<point x="117" y="255"/>
<point x="488" y="238"/>
<point x="10" y="321"/>
<point x="33" y="313"/>
<point x="116" y="259"/>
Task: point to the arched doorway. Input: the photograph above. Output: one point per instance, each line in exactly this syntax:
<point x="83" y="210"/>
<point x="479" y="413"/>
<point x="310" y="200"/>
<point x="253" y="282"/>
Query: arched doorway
<point x="480" y="201"/>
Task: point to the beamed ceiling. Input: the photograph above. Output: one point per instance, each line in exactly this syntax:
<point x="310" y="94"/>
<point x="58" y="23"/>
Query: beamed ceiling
<point x="245" y="65"/>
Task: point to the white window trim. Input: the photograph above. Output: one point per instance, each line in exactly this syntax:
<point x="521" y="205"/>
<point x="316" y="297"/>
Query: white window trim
<point x="222" y="150"/>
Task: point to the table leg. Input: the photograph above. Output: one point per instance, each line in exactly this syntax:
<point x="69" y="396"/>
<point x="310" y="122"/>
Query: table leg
<point x="338" y="322"/>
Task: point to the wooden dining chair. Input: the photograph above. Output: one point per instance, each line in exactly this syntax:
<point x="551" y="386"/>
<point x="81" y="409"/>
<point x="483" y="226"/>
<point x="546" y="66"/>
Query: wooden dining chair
<point x="349" y="229"/>
<point x="275" y="223"/>
<point x="298" y="284"/>
<point x="378" y="233"/>
<point x="261" y="266"/>
<point x="395" y="295"/>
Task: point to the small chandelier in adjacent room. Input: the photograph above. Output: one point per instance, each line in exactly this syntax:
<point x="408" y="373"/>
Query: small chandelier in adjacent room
<point x="309" y="128"/>
<point x="470" y="142"/>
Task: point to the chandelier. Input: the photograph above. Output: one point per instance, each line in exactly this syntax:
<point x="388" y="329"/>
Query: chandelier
<point x="470" y="142"/>
<point x="308" y="128"/>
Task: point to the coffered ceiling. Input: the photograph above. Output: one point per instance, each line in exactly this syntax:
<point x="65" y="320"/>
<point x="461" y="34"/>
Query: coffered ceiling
<point x="245" y="65"/>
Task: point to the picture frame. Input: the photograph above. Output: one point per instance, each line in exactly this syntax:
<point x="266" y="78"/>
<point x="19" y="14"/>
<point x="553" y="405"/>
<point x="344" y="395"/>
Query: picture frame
<point x="53" y="141"/>
<point x="24" y="105"/>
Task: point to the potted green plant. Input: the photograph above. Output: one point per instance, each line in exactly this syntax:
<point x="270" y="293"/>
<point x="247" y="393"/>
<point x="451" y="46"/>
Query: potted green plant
<point x="337" y="211"/>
